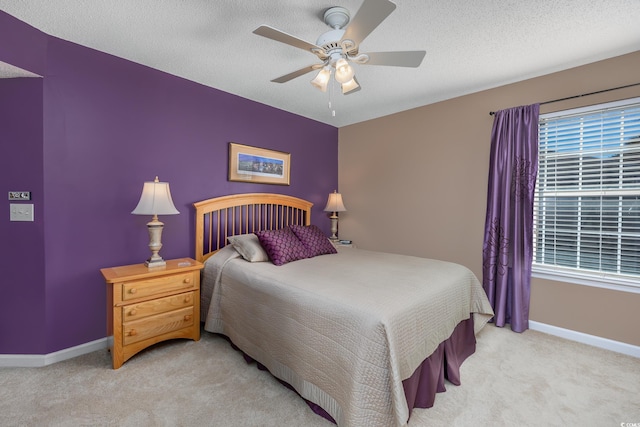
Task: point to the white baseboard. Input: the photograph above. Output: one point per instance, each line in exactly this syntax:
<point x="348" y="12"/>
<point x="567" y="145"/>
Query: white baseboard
<point x="39" y="360"/>
<point x="607" y="344"/>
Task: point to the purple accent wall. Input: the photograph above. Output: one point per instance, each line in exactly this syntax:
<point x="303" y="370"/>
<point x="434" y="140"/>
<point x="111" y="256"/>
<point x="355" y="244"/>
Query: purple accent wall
<point x="22" y="45"/>
<point x="107" y="126"/>
<point x="22" y="307"/>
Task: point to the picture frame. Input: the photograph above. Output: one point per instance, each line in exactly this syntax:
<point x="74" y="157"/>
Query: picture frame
<point x="258" y="165"/>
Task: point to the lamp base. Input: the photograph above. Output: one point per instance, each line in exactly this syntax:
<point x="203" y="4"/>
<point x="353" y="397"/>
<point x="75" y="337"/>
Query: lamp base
<point x="155" y="243"/>
<point x="334" y="227"/>
<point x="157" y="262"/>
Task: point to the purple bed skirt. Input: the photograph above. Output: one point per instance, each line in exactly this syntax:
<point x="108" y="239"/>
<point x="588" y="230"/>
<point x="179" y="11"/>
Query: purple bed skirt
<point x="428" y="379"/>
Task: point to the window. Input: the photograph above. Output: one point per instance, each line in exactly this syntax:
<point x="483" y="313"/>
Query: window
<point x="587" y="199"/>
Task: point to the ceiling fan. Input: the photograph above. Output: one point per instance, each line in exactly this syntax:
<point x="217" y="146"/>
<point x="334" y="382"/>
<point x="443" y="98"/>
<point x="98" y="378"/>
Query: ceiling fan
<point x="339" y="47"/>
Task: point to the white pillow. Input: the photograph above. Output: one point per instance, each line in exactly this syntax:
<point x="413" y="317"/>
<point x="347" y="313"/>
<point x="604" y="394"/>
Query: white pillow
<point x="249" y="247"/>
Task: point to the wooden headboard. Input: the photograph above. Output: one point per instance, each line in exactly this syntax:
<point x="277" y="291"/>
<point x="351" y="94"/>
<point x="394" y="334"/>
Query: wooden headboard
<point x="221" y="217"/>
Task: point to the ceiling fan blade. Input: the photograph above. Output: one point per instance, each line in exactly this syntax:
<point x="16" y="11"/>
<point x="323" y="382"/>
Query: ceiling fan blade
<point x="282" y="37"/>
<point x="297" y="73"/>
<point x="367" y="18"/>
<point x="410" y="58"/>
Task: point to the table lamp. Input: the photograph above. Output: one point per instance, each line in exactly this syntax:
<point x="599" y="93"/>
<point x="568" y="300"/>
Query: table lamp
<point x="155" y="200"/>
<point x="334" y="205"/>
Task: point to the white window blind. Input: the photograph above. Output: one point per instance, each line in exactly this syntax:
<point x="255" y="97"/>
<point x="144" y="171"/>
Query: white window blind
<point x="587" y="199"/>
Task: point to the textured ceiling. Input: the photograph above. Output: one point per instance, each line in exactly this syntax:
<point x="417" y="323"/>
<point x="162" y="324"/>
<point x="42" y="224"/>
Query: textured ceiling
<point x="8" y="71"/>
<point x="470" y="45"/>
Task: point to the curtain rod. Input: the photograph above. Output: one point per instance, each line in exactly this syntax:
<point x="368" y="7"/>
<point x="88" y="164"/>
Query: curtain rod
<point x="584" y="94"/>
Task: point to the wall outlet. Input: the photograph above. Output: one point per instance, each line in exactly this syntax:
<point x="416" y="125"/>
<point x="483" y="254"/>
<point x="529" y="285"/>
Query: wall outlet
<point x="21" y="212"/>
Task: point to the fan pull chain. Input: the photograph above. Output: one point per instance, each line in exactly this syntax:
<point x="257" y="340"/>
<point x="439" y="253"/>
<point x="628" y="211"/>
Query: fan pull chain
<point x="333" y="112"/>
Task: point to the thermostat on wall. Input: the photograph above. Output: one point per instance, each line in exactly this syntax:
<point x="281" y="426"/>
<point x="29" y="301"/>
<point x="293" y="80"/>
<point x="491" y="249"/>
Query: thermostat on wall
<point x="19" y="195"/>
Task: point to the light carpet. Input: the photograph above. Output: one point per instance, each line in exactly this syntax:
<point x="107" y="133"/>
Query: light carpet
<point x="528" y="379"/>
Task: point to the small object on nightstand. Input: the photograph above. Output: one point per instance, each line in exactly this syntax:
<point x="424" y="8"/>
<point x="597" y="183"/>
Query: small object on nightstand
<point x="146" y="306"/>
<point x="343" y="244"/>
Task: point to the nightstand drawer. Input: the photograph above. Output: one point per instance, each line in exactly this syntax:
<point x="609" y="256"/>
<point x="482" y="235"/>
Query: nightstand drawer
<point x="157" y="285"/>
<point x="158" y="306"/>
<point x="139" y="330"/>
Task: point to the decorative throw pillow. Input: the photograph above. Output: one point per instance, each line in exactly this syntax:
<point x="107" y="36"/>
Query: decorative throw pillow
<point x="314" y="240"/>
<point x="248" y="246"/>
<point x="282" y="245"/>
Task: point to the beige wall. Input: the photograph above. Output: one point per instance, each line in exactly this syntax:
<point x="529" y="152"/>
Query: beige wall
<point x="416" y="183"/>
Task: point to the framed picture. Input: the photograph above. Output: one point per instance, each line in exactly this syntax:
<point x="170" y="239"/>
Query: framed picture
<point x="259" y="165"/>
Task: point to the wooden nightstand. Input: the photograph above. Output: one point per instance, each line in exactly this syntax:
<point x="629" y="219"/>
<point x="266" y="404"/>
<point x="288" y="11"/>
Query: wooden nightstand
<point x="146" y="306"/>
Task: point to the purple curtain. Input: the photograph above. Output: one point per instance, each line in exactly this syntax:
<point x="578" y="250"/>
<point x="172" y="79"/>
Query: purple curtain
<point x="508" y="232"/>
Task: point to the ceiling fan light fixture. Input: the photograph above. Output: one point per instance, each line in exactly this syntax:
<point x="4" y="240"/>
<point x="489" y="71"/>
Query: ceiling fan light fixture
<point x="322" y="79"/>
<point x="344" y="72"/>
<point x="350" y="86"/>
<point x="339" y="48"/>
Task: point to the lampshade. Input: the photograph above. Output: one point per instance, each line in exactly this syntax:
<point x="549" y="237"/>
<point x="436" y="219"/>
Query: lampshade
<point x="155" y="200"/>
<point x="344" y="72"/>
<point x="322" y="79"/>
<point x="334" y="203"/>
<point x="350" y="86"/>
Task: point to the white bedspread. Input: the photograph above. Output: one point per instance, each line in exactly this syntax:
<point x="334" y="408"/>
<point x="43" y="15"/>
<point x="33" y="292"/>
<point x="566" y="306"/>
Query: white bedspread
<point x="345" y="330"/>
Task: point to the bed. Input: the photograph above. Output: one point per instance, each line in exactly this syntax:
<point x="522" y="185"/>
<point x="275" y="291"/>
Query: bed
<point x="364" y="337"/>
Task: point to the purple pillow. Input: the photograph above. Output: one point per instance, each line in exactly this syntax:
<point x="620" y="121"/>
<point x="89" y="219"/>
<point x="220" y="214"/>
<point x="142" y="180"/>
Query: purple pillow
<point x="282" y="245"/>
<point x="314" y="240"/>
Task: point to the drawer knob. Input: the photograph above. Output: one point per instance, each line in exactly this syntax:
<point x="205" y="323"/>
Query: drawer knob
<point x="133" y="312"/>
<point x="133" y="333"/>
<point x="187" y="299"/>
<point x="132" y="291"/>
<point x="187" y="280"/>
<point x="187" y="317"/>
